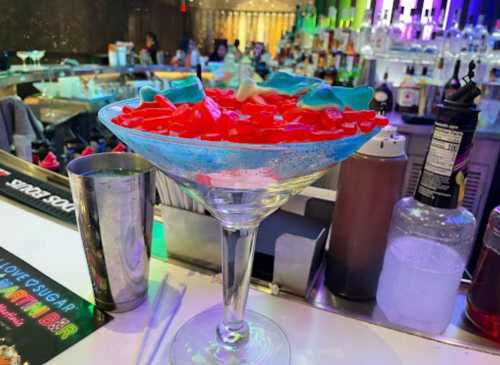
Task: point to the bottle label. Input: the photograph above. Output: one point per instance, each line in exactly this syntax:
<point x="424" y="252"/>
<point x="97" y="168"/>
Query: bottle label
<point x="407" y="96"/>
<point x="380" y="96"/>
<point x="442" y="180"/>
<point x="350" y="62"/>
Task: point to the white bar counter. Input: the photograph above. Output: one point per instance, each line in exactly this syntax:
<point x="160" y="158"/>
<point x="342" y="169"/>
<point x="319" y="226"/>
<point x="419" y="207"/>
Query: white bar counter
<point x="316" y="336"/>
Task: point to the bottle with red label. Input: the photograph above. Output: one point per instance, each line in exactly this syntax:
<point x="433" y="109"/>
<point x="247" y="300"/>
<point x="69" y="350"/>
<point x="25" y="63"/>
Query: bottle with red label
<point x="408" y="96"/>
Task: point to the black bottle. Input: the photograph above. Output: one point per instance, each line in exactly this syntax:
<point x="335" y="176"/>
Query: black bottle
<point x="382" y="98"/>
<point x="453" y="84"/>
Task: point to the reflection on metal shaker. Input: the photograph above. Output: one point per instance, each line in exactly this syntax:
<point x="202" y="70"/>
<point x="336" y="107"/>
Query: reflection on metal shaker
<point x="114" y="200"/>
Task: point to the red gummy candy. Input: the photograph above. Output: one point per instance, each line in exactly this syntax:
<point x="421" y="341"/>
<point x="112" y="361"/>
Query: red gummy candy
<point x="149" y="113"/>
<point x="351" y="116"/>
<point x="306" y="116"/>
<point x="156" y="124"/>
<point x="126" y="109"/>
<point x="87" y="151"/>
<point x="253" y="108"/>
<point x="132" y="122"/>
<point x="148" y="105"/>
<point x="350" y="128"/>
<point x="381" y="121"/>
<point x="329" y="135"/>
<point x="50" y="161"/>
<point x="164" y="102"/>
<point x="366" y="126"/>
<point x="119" y="148"/>
<point x="331" y="118"/>
<point x="212" y="137"/>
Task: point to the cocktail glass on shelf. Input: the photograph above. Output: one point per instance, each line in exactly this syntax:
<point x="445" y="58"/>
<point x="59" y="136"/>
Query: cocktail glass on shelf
<point x="37" y="55"/>
<point x="23" y="55"/>
<point x="240" y="184"/>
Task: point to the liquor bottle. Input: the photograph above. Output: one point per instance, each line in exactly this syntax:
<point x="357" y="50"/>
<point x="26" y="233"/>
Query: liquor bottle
<point x="453" y="37"/>
<point x="493" y="54"/>
<point x="396" y="31"/>
<point x="350" y="53"/>
<point x="431" y="46"/>
<point x="416" y="44"/>
<point x="467" y="36"/>
<point x="431" y="235"/>
<point x="380" y="35"/>
<point x="407" y="99"/>
<point x="423" y="91"/>
<point x="483" y="306"/>
<point x="320" y="72"/>
<point x="343" y="75"/>
<point x="428" y="26"/>
<point x="453" y="84"/>
<point x="480" y="37"/>
<point x="331" y="70"/>
<point x="365" y="33"/>
<point x="414" y="27"/>
<point x="382" y="97"/>
<point x="494" y="39"/>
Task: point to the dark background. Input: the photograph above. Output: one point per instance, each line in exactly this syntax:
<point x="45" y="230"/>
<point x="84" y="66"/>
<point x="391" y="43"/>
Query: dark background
<point x="83" y="28"/>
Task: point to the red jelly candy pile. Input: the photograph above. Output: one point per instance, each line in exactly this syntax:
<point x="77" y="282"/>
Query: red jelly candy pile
<point x="261" y="119"/>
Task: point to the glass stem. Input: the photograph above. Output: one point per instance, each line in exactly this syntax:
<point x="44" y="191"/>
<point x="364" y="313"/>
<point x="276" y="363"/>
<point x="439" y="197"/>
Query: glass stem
<point x="238" y="247"/>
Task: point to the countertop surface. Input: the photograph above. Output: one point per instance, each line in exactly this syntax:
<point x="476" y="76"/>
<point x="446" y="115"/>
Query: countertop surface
<point x="17" y="74"/>
<point x="316" y="337"/>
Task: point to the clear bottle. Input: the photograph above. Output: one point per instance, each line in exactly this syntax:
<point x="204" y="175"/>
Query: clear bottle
<point x="415" y="26"/>
<point x="396" y="31"/>
<point x="493" y="54"/>
<point x="428" y="26"/>
<point x="379" y="35"/>
<point x="416" y="44"/>
<point x="431" y="46"/>
<point x="453" y="37"/>
<point x="468" y="36"/>
<point x="431" y="235"/>
<point x="365" y="33"/>
<point x="480" y="37"/>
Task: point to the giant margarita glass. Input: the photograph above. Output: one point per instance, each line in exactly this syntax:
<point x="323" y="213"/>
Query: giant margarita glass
<point x="240" y="184"/>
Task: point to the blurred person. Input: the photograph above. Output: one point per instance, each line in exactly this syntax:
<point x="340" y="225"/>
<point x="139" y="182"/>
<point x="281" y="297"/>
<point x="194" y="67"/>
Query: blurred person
<point x="237" y="52"/>
<point x="261" y="59"/>
<point x="219" y="52"/>
<point x="152" y="46"/>
<point x="191" y="54"/>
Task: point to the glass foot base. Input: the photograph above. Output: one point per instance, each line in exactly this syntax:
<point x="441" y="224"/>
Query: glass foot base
<point x="196" y="342"/>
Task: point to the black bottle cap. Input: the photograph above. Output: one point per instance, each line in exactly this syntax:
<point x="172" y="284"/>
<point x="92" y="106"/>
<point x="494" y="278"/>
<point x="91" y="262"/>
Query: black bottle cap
<point x="466" y="94"/>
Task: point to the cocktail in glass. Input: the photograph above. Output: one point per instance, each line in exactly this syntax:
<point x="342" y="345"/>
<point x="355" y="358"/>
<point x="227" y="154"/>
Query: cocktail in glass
<point x="240" y="184"/>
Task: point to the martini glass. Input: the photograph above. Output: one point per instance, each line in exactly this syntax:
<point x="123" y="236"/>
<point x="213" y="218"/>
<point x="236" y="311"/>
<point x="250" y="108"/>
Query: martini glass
<point x="37" y="55"/>
<point x="240" y="184"/>
<point x="23" y="55"/>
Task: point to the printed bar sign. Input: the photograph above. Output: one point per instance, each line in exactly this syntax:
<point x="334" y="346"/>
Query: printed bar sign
<point x="37" y="194"/>
<point x="38" y="316"/>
